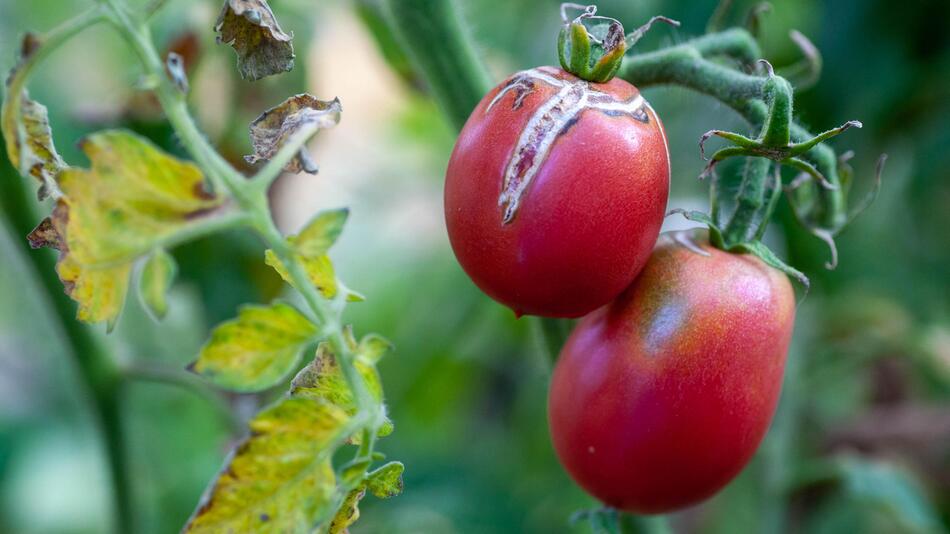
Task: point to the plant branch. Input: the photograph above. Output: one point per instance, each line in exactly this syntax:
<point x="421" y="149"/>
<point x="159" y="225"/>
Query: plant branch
<point x="97" y="370"/>
<point x="251" y="199"/>
<point x="685" y="65"/>
<point x="160" y="374"/>
<point x="439" y="44"/>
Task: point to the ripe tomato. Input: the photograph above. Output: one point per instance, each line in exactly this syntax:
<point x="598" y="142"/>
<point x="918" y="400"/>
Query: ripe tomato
<point x="556" y="190"/>
<point x="661" y="398"/>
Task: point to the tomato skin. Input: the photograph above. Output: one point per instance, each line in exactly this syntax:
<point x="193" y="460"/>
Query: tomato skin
<point x="587" y="220"/>
<point x="658" y="400"/>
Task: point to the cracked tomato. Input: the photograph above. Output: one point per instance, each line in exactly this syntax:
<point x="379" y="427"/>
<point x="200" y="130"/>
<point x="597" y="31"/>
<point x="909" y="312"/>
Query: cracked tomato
<point x="556" y="191"/>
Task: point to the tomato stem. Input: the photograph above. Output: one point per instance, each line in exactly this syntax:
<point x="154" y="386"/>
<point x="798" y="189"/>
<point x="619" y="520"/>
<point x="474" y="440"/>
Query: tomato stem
<point x="438" y="42"/>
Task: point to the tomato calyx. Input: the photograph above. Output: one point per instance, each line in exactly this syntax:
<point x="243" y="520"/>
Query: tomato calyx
<point x="592" y="47"/>
<point x="718" y="239"/>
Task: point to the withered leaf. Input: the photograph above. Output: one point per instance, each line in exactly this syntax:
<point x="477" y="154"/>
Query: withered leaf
<point x="250" y="27"/>
<point x="276" y="126"/>
<point x="25" y="125"/>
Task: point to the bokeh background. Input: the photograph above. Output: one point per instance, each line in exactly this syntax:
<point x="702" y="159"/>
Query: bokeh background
<point x="861" y="442"/>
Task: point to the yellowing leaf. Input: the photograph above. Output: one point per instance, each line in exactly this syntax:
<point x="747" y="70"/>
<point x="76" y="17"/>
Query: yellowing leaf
<point x="320" y="233"/>
<point x="25" y="125"/>
<point x="319" y="270"/>
<point x="323" y="379"/>
<point x="280" y="479"/>
<point x="256" y="350"/>
<point x="373" y="347"/>
<point x="250" y="27"/>
<point x="132" y="200"/>
<point x="274" y="127"/>
<point x="386" y="481"/>
<point x="348" y="513"/>
<point x="133" y="197"/>
<point x="100" y="292"/>
<point x="157" y="276"/>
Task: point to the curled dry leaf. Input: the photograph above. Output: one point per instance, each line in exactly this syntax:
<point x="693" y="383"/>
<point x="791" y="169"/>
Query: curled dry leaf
<point x="25" y="125"/>
<point x="250" y="27"/>
<point x="300" y="113"/>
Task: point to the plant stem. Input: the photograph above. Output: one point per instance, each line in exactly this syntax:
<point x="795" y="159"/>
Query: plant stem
<point x="438" y="42"/>
<point x="97" y="371"/>
<point x="160" y="374"/>
<point x="251" y="198"/>
<point x="685" y="65"/>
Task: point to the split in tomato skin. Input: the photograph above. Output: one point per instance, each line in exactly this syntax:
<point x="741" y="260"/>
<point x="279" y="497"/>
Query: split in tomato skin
<point x="556" y="191"/>
<point x="658" y="400"/>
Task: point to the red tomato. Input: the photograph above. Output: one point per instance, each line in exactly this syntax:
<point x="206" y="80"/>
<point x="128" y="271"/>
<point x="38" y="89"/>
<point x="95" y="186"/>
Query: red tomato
<point x="659" y="399"/>
<point x="556" y="191"/>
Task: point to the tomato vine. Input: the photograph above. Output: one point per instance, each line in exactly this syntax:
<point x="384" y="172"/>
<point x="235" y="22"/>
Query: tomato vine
<point x="103" y="224"/>
<point x="726" y="65"/>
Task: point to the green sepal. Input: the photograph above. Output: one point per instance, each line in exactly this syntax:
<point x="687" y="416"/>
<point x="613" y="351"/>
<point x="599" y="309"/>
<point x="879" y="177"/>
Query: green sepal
<point x="579" y="56"/>
<point x="715" y="233"/>
<point x="764" y="253"/>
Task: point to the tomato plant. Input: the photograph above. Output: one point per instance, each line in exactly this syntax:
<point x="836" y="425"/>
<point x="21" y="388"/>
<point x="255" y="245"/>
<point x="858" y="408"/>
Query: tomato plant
<point x="544" y="210"/>
<point x="659" y="399"/>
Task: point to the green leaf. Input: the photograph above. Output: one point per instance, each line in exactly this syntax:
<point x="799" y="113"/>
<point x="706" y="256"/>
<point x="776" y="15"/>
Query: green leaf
<point x="272" y="130"/>
<point x="157" y="276"/>
<point x="320" y="233"/>
<point x="25" y="125"/>
<point x="319" y="270"/>
<point x="250" y="27"/>
<point x="134" y="198"/>
<point x="280" y="479"/>
<point x="256" y="350"/>
<point x="386" y="481"/>
<point x="323" y="379"/>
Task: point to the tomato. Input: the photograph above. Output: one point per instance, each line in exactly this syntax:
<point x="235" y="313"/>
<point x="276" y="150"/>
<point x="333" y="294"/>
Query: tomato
<point x="659" y="399"/>
<point x="556" y="190"/>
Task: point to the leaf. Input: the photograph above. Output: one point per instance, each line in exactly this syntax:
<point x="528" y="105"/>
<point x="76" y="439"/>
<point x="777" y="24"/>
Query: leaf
<point x="250" y="27"/>
<point x="349" y="511"/>
<point x="26" y="128"/>
<point x="320" y="233"/>
<point x="372" y="348"/>
<point x="323" y="379"/>
<point x="256" y="350"/>
<point x="386" y="481"/>
<point x="276" y="126"/>
<point x="319" y="271"/>
<point x="280" y="479"/>
<point x="157" y="276"/>
<point x="132" y="200"/>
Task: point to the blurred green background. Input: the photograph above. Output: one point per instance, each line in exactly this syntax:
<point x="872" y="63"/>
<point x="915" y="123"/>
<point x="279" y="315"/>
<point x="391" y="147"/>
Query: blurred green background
<point x="861" y="442"/>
